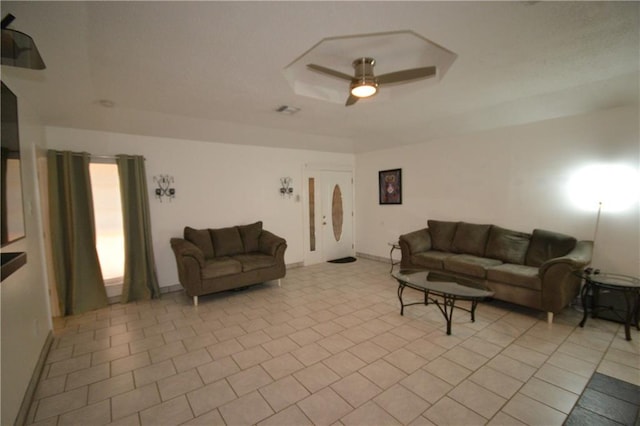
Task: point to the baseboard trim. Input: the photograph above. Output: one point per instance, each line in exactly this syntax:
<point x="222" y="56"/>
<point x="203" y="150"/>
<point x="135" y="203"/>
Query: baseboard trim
<point x="295" y="265"/>
<point x="23" y="412"/>
<point x="372" y="257"/>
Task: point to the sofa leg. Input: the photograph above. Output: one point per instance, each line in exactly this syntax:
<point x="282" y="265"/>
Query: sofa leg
<point x="279" y="282"/>
<point x="195" y="300"/>
<point x="549" y="318"/>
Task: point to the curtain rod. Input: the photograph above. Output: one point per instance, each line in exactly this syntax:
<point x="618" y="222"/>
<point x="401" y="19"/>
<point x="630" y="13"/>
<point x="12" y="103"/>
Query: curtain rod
<point x="97" y="157"/>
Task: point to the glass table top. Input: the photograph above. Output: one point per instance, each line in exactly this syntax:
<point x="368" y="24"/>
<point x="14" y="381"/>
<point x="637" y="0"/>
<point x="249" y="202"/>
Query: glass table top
<point x="441" y="283"/>
<point x="612" y="280"/>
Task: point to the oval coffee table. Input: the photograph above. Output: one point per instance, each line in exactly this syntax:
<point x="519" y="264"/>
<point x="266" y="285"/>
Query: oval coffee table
<point x="449" y="288"/>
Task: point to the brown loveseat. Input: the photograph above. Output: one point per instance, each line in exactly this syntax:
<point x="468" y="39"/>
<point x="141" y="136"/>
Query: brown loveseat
<point x="533" y="270"/>
<point x="213" y="260"/>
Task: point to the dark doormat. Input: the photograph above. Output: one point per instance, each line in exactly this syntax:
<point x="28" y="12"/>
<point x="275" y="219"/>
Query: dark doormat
<point x="343" y="260"/>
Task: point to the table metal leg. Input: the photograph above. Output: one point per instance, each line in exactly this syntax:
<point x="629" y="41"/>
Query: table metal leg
<point x="583" y="298"/>
<point x="629" y="297"/>
<point x="400" y="290"/>
<point x="474" y="303"/>
<point x="446" y="308"/>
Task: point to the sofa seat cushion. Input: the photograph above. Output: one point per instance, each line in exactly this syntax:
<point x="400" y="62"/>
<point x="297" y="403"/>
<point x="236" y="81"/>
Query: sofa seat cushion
<point x="227" y="241"/>
<point x="467" y="264"/>
<point x="431" y="259"/>
<point x="220" y="266"/>
<point x="517" y="275"/>
<point x="470" y="238"/>
<point x="507" y="245"/>
<point x="253" y="261"/>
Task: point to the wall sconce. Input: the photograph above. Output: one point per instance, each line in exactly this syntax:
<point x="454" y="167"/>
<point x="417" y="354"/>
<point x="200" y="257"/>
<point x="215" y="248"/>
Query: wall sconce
<point x="164" y="188"/>
<point x="285" y="186"/>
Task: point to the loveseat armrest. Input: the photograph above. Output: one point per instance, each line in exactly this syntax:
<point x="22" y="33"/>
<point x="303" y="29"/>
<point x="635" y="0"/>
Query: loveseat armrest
<point x="269" y="243"/>
<point x="183" y="247"/>
<point x="560" y="285"/>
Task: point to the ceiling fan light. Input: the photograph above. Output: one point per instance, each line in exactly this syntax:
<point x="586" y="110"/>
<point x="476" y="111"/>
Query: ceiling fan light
<point x="364" y="89"/>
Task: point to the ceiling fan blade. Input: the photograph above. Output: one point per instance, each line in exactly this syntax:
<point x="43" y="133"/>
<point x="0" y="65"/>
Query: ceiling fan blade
<point x="351" y="100"/>
<point x="329" y="71"/>
<point x="406" y="75"/>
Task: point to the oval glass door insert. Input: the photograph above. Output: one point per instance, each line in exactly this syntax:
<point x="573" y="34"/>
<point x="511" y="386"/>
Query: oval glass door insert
<point x="337" y="215"/>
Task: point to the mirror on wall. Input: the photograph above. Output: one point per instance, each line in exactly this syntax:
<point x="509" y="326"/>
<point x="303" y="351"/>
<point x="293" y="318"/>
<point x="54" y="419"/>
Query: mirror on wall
<point x="12" y="213"/>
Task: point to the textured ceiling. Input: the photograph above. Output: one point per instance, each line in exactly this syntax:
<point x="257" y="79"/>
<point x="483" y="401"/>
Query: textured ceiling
<point x="215" y="71"/>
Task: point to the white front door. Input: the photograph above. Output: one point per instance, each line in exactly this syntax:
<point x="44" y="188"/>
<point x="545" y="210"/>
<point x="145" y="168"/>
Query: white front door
<point x="330" y="215"/>
<point x="337" y="215"/>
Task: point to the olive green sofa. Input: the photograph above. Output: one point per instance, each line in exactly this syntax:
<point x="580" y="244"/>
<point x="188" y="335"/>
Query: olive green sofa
<point x="534" y="270"/>
<point x="214" y="260"/>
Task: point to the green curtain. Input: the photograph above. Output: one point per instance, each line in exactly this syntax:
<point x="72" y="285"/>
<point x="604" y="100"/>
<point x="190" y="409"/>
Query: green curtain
<point x="140" y="277"/>
<point x="73" y="237"/>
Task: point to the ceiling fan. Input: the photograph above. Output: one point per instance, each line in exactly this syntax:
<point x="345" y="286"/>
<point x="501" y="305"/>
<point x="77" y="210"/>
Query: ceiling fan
<point x="364" y="83"/>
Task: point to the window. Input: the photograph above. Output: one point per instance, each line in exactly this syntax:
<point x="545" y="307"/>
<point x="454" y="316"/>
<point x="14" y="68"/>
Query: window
<point x="107" y="205"/>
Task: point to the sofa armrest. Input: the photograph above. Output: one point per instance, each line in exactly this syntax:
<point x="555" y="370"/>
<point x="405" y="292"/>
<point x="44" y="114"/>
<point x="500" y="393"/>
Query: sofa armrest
<point x="560" y="285"/>
<point x="190" y="261"/>
<point x="577" y="258"/>
<point x="270" y="243"/>
<point x="415" y="242"/>
<point x="185" y="248"/>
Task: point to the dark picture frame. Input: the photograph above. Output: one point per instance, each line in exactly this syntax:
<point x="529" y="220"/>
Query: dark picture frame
<point x="390" y="186"/>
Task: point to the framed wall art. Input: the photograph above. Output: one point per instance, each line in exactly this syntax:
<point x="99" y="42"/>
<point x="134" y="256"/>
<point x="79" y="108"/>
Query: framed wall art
<point x="390" y="186"/>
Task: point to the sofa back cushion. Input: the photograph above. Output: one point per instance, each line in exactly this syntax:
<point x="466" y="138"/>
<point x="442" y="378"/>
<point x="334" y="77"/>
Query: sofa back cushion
<point x="226" y="241"/>
<point x="470" y="238"/>
<point x="250" y="235"/>
<point x="442" y="234"/>
<point x="507" y="245"/>
<point x="201" y="239"/>
<point x="547" y="245"/>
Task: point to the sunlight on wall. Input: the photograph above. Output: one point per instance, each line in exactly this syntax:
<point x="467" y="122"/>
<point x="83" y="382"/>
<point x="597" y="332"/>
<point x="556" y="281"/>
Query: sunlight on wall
<point x="616" y="186"/>
<point x="108" y="216"/>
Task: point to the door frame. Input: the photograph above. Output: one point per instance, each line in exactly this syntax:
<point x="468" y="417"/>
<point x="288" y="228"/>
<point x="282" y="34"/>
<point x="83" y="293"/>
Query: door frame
<point x="315" y="170"/>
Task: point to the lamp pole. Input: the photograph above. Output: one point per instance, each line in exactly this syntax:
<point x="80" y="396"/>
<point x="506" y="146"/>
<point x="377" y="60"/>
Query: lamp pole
<point x="595" y="231"/>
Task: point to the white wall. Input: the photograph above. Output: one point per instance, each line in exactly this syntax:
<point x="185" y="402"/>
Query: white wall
<point x="26" y="319"/>
<point x="514" y="177"/>
<point x="216" y="184"/>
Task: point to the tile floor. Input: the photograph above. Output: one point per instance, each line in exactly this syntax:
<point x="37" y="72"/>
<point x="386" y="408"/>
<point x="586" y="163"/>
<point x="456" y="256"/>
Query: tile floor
<point x="329" y="347"/>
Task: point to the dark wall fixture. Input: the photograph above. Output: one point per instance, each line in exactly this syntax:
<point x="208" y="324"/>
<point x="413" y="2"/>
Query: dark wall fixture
<point x="18" y="48"/>
<point x="12" y="211"/>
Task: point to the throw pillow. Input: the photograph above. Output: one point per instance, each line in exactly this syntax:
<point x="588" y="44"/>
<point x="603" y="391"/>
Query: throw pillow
<point x="250" y="235"/>
<point x="507" y="245"/>
<point x="226" y="241"/>
<point x="201" y="239"/>
<point x="442" y="234"/>
<point x="547" y="245"/>
<point x="470" y="238"/>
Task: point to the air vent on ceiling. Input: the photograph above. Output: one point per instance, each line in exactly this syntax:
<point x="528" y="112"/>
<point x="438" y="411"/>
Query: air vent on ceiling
<point x="286" y="109"/>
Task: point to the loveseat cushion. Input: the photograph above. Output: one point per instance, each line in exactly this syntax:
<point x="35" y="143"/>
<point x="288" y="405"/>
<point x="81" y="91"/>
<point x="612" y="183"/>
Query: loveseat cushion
<point x="431" y="259"/>
<point x="466" y="264"/>
<point x="547" y="245"/>
<point x="518" y="275"/>
<point x="442" y="234"/>
<point x="507" y="245"/>
<point x="226" y="241"/>
<point x="470" y="238"/>
<point x="253" y="261"/>
<point x="250" y="235"/>
<point x="201" y="239"/>
<point x="220" y="266"/>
